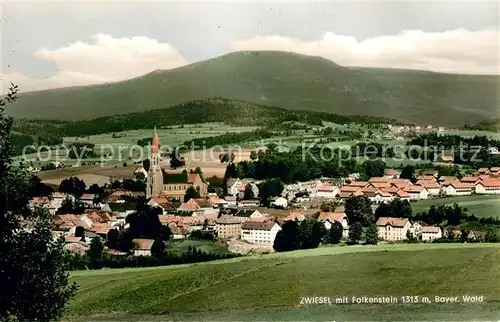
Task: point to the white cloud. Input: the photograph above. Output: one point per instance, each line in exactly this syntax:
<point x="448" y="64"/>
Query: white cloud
<point x="453" y="51"/>
<point x="104" y="59"/>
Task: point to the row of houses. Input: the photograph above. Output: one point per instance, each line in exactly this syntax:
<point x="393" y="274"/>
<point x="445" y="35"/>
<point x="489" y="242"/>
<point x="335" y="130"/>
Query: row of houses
<point x="391" y="186"/>
<point x="398" y="229"/>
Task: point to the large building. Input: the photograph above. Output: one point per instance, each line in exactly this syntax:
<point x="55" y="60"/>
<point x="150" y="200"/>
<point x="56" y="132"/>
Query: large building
<point x="392" y="229"/>
<point x="173" y="185"/>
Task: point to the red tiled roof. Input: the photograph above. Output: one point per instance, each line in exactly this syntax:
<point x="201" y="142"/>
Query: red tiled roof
<point x="381" y="184"/>
<point x="495" y="169"/>
<point x="384" y="193"/>
<point x="325" y="187"/>
<point x="461" y="185"/>
<point x="344" y="194"/>
<point x="429" y="184"/>
<point x="369" y="189"/>
<point x="72" y="239"/>
<point x="349" y="189"/>
<point x="141" y="243"/>
<point x="489" y="183"/>
<point x="229" y="220"/>
<point x="394" y="222"/>
<point x="447" y="178"/>
<point x="390" y="189"/>
<point x="391" y="172"/>
<point x="414" y="189"/>
<point x="254" y="225"/>
<point x="188" y="206"/>
<point x="378" y="179"/>
<point x="402" y="194"/>
<point x="423" y="177"/>
<point x="293" y="215"/>
<point x="332" y="216"/>
<point x="361" y="184"/>
<point x="431" y="229"/>
<point x="469" y="179"/>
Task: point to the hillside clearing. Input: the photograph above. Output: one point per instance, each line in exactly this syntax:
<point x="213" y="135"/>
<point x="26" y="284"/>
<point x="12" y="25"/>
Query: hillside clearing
<point x="267" y="287"/>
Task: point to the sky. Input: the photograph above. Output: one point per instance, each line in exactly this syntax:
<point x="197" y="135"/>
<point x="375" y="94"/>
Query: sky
<point x="69" y="43"/>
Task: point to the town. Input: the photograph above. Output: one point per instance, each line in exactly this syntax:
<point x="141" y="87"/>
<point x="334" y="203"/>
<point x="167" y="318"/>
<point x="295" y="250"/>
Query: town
<point x="182" y="202"/>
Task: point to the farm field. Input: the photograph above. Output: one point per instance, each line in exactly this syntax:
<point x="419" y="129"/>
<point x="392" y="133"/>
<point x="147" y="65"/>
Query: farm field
<point x="481" y="206"/>
<point x="264" y="287"/>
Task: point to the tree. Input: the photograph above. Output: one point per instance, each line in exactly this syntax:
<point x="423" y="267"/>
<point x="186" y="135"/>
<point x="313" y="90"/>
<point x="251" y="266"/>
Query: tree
<point x="491" y="236"/>
<point x="176" y="160"/>
<point x="34" y="284"/>
<point x="359" y="209"/>
<point x="79" y="231"/>
<point x="191" y="192"/>
<point x="95" y="251"/>
<point x="408" y="173"/>
<point x="253" y="156"/>
<point x="38" y="188"/>
<point x="373" y="168"/>
<point x="335" y="233"/>
<point x="287" y="239"/>
<point x="371" y="235"/>
<point x="72" y="185"/>
<point x="248" y="194"/>
<point x="355" y="232"/>
<point x="70" y="206"/>
<point x="464" y="235"/>
<point x="327" y="206"/>
<point x="270" y="188"/>
<point x="146" y="163"/>
<point x="112" y="239"/>
<point x="396" y="208"/>
<point x="158" y="248"/>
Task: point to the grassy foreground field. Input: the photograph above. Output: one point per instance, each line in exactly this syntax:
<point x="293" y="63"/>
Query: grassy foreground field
<point x="481" y="206"/>
<point x="269" y="287"/>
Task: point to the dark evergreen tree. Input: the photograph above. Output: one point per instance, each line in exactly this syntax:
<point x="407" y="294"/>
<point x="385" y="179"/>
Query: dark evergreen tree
<point x="371" y="235"/>
<point x="335" y="233"/>
<point x="34" y="283"/>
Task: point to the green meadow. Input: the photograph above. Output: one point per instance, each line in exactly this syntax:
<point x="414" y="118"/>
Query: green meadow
<point x="270" y="287"/>
<point x="481" y="206"/>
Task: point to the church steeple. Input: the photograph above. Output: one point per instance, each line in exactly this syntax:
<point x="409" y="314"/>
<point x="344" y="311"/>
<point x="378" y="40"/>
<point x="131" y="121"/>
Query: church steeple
<point x="154" y="142"/>
<point x="155" y="175"/>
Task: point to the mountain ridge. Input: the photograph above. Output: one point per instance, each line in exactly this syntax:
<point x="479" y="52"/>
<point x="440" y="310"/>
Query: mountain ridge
<point x="287" y="80"/>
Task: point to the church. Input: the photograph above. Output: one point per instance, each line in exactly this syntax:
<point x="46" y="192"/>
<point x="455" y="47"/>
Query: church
<point x="173" y="185"/>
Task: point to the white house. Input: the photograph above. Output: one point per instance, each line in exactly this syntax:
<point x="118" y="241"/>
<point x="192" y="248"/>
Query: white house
<point x="403" y="195"/>
<point x="328" y="218"/>
<point x="457" y="188"/>
<point x="260" y="233"/>
<point x="417" y="192"/>
<point x="88" y="200"/>
<point x="326" y="191"/>
<point x="432" y="187"/>
<point x="280" y="202"/>
<point x="488" y="187"/>
<point x="237" y="188"/>
<point x="142" y="247"/>
<point x="415" y="229"/>
<point x="430" y="233"/>
<point x="231" y="201"/>
<point x="392" y="229"/>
